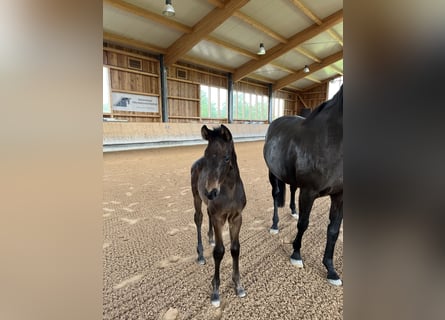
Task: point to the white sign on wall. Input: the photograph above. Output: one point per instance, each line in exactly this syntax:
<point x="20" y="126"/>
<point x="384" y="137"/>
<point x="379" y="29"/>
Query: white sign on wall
<point x="134" y="102"/>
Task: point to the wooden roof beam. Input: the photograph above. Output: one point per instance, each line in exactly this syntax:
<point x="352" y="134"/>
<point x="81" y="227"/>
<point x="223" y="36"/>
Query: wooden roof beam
<point x="313" y="68"/>
<point x="259" y="26"/>
<point x="307" y="54"/>
<point x="292" y="42"/>
<point x="303" y="8"/>
<point x="232" y="47"/>
<point x="205" y="26"/>
<point x="112" y="37"/>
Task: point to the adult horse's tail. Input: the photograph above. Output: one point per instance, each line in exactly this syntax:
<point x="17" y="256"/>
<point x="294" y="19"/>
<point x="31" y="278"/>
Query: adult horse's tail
<point x="278" y="190"/>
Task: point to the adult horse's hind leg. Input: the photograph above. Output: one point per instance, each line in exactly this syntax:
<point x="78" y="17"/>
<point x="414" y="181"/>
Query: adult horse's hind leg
<point x="292" y="206"/>
<point x="278" y="194"/>
<point x="305" y="202"/>
<point x="234" y="228"/>
<point x="335" y="217"/>
<point x="218" y="254"/>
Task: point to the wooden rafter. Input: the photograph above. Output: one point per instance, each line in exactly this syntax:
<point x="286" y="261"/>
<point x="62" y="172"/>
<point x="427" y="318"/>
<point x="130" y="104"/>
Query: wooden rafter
<point x="138" y="11"/>
<point x="313" y="68"/>
<point x="340" y="72"/>
<point x="312" y="79"/>
<point x="317" y="84"/>
<point x="206" y="25"/>
<point x="303" y="8"/>
<point x="292" y="42"/>
<point x="259" y="26"/>
<point x="131" y="42"/>
<point x="232" y="47"/>
<point x="308" y="54"/>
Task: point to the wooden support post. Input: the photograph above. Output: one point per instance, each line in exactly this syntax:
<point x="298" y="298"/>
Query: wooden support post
<point x="269" y="117"/>
<point x="164" y="89"/>
<point x="229" y="98"/>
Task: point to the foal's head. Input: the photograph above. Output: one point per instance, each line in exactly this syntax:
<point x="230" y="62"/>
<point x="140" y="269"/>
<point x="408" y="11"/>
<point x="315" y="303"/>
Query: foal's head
<point x="219" y="157"/>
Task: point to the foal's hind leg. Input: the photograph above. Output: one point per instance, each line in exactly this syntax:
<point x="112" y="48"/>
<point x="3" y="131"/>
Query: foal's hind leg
<point x="335" y="217"/>
<point x="305" y="202"/>
<point x="292" y="206"/>
<point x="198" y="221"/>
<point x="234" y="227"/>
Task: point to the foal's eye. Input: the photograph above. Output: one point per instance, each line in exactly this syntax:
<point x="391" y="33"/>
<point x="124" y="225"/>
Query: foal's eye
<point x="226" y="159"/>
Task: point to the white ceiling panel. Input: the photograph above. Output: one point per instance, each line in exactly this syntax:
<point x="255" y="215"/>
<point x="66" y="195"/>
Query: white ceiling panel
<point x="302" y="83"/>
<point x="219" y="55"/>
<point x="137" y="28"/>
<point x="322" y="45"/>
<point x="271" y="72"/>
<point x="187" y="12"/>
<point x="280" y="15"/>
<point x="294" y="60"/>
<point x="243" y="35"/>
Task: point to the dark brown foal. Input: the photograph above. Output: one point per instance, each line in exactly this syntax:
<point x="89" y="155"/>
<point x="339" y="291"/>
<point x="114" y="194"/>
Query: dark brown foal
<point x="216" y="180"/>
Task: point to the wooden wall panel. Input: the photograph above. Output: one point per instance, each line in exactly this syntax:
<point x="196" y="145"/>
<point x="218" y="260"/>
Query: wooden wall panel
<point x="314" y="97"/>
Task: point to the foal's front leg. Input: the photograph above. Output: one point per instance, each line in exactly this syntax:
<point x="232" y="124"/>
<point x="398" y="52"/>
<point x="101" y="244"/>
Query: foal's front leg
<point x="210" y="233"/>
<point x="218" y="254"/>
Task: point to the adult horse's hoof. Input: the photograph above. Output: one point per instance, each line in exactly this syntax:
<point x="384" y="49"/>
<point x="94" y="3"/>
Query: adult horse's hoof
<point x="336" y="282"/>
<point x="212" y="243"/>
<point x="273" y="231"/>
<point x="297" y="263"/>
<point x="294" y="215"/>
<point x="201" y="261"/>
<point x="240" y="292"/>
<point x="214" y="299"/>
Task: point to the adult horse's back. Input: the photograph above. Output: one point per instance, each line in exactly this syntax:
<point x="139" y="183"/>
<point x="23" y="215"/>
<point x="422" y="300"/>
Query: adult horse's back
<point x="308" y="153"/>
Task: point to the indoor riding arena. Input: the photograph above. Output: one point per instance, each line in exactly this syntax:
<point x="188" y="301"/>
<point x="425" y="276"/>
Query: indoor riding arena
<point x="171" y="67"/>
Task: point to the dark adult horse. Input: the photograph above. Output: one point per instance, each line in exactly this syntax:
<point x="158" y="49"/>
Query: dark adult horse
<point x="308" y="154"/>
<point x="216" y="180"/>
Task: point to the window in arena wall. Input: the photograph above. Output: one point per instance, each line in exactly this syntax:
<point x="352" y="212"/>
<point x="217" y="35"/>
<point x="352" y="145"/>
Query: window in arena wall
<point x="249" y="106"/>
<point x="277" y="108"/>
<point x="334" y="86"/>
<point x="106" y="107"/>
<point x="213" y="102"/>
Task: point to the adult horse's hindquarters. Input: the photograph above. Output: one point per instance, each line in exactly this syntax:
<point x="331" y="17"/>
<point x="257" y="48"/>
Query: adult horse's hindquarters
<point x="308" y="154"/>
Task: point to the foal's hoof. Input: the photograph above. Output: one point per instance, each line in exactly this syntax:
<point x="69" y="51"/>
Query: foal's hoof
<point x="240" y="292"/>
<point x="273" y="231"/>
<point x="214" y="299"/>
<point x="336" y="282"/>
<point x="201" y="261"/>
<point x="297" y="263"/>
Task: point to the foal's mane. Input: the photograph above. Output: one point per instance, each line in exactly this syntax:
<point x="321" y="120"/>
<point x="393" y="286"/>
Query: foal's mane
<point x="337" y="99"/>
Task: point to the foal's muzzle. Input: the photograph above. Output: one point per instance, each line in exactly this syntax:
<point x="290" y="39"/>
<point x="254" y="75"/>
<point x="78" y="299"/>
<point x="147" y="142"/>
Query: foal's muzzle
<point x="212" y="194"/>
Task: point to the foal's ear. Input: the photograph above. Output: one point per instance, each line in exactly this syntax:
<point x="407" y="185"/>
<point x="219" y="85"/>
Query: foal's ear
<point x="225" y="133"/>
<point x="205" y="132"/>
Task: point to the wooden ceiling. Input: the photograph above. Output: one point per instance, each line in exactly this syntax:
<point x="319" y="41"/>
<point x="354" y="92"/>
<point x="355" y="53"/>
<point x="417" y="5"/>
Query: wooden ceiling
<point x="225" y="36"/>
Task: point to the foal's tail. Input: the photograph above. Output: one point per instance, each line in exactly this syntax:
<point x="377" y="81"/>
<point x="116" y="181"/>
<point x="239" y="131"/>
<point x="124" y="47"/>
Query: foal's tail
<point x="278" y="190"/>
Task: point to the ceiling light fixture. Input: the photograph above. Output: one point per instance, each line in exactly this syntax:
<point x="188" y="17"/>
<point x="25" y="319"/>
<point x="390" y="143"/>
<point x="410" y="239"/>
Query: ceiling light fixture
<point x="169" y="11"/>
<point x="262" y="50"/>
<point x="306" y="69"/>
